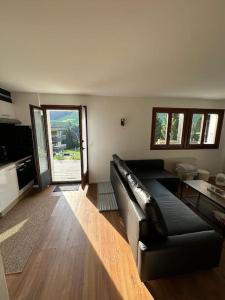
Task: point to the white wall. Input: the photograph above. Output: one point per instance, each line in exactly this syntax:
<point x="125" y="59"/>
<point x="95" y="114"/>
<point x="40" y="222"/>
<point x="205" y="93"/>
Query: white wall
<point x="133" y="140"/>
<point x="22" y="102"/>
<point x="106" y="136"/>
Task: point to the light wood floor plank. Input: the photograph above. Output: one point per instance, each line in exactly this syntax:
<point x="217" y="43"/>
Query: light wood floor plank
<point x="84" y="255"/>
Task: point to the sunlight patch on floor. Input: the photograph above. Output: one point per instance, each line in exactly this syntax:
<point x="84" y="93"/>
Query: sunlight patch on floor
<point x="108" y="232"/>
<point x="11" y="231"/>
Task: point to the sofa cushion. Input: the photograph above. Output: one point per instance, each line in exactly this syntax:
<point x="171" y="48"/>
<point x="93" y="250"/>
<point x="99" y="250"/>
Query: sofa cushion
<point x="155" y="188"/>
<point x="121" y="166"/>
<point x="170" y="181"/>
<point x="123" y="169"/>
<point x="148" y="205"/>
<point x="179" y="218"/>
<point x="142" y="196"/>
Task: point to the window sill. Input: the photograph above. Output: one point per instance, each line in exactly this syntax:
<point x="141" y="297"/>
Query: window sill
<point x="185" y="148"/>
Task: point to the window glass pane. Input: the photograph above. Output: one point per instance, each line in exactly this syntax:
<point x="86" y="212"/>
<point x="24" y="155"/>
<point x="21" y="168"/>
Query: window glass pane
<point x="211" y="128"/>
<point x="196" y="129"/>
<point x="176" y="128"/>
<point x="161" y="128"/>
<point x="41" y="140"/>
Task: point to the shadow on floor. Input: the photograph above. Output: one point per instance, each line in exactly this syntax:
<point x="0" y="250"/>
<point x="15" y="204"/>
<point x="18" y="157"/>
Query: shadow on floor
<point x="207" y="285"/>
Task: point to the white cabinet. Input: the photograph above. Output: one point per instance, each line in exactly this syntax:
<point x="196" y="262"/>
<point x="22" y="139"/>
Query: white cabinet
<point x="9" y="189"/>
<point x="7" y="110"/>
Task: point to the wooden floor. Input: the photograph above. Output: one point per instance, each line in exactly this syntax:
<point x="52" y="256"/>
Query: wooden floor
<point x="66" y="170"/>
<point x="84" y="255"/>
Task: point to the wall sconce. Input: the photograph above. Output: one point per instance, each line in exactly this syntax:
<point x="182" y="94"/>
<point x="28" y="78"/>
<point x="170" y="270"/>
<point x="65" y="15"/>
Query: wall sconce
<point x="123" y="121"/>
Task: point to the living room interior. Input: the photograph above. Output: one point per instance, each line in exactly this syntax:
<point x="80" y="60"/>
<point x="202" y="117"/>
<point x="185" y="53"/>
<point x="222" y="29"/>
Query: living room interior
<point x="139" y="211"/>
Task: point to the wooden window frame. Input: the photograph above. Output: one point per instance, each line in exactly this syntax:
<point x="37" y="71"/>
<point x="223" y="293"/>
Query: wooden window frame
<point x="185" y="142"/>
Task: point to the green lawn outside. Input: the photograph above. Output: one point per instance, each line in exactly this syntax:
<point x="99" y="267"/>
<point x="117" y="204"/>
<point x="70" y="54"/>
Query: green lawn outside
<point x="68" y="154"/>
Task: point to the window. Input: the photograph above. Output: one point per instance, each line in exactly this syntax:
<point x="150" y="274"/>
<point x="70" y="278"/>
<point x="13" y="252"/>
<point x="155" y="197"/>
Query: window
<point x="174" y="128"/>
<point x="168" y="128"/>
<point x="161" y="128"/>
<point x="196" y="129"/>
<point x="210" y="129"/>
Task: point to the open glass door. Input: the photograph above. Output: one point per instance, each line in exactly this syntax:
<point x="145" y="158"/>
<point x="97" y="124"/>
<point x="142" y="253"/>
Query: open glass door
<point x="63" y="127"/>
<point x="84" y="146"/>
<point x="40" y="146"/>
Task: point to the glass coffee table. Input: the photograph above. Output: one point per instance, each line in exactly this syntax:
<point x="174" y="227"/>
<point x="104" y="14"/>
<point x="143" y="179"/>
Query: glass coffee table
<point x="207" y="200"/>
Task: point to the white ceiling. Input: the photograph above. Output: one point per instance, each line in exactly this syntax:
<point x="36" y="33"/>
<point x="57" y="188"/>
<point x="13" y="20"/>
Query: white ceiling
<point x="163" y="48"/>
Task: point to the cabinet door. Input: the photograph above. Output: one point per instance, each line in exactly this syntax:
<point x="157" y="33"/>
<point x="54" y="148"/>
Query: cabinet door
<point x="3" y="189"/>
<point x="13" y="182"/>
<point x="9" y="189"/>
<point x="7" y="110"/>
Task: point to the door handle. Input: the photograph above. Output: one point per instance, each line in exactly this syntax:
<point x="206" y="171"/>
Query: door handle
<point x="82" y="148"/>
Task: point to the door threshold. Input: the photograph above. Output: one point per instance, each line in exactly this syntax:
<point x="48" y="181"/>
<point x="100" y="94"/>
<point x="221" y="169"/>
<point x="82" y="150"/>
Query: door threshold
<point x="66" y="182"/>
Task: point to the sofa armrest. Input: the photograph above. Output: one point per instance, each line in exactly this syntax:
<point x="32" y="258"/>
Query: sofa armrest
<point x="179" y="254"/>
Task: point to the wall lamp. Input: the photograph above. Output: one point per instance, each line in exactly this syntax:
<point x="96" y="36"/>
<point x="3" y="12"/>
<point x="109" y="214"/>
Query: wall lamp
<point x="123" y="121"/>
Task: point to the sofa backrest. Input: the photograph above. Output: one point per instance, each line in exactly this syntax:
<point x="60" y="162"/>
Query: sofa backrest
<point x="135" y="221"/>
<point x="116" y="159"/>
<point x="142" y="197"/>
<point x="148" y="205"/>
<point x="121" y="166"/>
<point x="145" y="164"/>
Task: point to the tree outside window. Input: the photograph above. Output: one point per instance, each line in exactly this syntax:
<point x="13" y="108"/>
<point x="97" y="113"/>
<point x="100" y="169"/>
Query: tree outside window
<point x="177" y="128"/>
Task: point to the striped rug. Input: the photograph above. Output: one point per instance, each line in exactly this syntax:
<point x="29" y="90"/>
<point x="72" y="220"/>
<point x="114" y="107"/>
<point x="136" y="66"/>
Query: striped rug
<point x="106" y="200"/>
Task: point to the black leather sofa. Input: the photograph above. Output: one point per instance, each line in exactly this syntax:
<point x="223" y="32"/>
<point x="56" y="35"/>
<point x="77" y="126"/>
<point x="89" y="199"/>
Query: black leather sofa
<point x="154" y="169"/>
<point x="166" y="237"/>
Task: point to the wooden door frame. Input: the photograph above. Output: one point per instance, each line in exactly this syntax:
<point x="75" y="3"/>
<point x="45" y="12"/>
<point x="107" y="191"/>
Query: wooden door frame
<point x="61" y="107"/>
<point x="81" y="147"/>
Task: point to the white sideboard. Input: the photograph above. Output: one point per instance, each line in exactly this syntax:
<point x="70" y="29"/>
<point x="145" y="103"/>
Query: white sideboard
<point x="9" y="189"/>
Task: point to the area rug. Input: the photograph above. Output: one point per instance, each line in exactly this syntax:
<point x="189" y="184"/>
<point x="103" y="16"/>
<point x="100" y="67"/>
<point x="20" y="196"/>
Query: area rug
<point x="106" y="200"/>
<point x="105" y="188"/>
<point x="66" y="187"/>
<point x="21" y="228"/>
